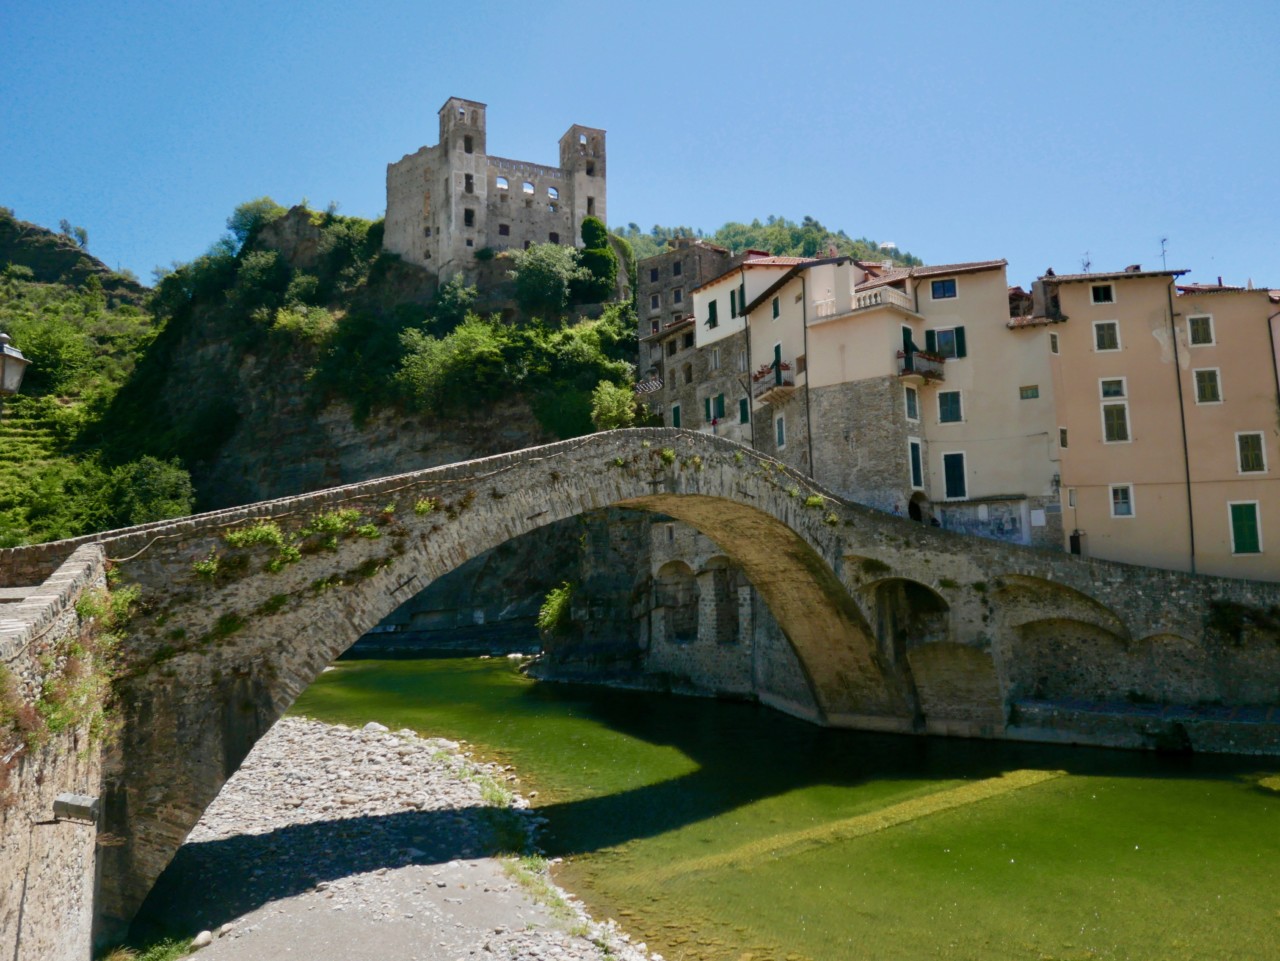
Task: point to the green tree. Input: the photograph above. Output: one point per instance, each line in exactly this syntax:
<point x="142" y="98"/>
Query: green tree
<point x="463" y="368"/>
<point x="451" y="305"/>
<point x="600" y="263"/>
<point x="544" y="277"/>
<point x="612" y="406"/>
<point x="148" y="490"/>
<point x="250" y="217"/>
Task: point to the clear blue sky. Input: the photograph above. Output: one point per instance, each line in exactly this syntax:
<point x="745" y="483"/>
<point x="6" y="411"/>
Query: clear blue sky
<point x="961" y="131"/>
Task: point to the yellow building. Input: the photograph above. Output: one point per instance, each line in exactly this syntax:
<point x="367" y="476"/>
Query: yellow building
<point x="1168" y="406"/>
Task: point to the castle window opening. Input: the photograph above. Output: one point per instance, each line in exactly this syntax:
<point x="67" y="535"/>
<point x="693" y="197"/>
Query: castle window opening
<point x="462" y="114"/>
<point x="552" y="207"/>
<point x="582" y="138"/>
<point x="473" y="116"/>
<point x="470" y="242"/>
<point x="502" y="184"/>
<point x="591" y="206"/>
<point x="527" y="187"/>
<point x="468" y="217"/>
<point x="591" y="170"/>
<point x="468" y="145"/>
<point x="553" y="193"/>
<point x="688" y="373"/>
<point x="688" y="340"/>
<point x="653" y="274"/>
<point x="504" y="230"/>
<point x="554" y="237"/>
<point x="469" y="184"/>
<point x="655" y="301"/>
<point x="672" y="347"/>
<point x="676" y="269"/>
<point x="526" y="245"/>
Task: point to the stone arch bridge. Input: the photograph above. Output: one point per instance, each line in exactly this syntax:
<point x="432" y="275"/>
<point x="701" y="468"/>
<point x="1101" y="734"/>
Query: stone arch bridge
<point x="895" y="626"/>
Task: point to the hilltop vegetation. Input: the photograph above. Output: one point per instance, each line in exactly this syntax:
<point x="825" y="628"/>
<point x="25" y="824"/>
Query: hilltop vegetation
<point x="131" y="392"/>
<point x="779" y="236"/>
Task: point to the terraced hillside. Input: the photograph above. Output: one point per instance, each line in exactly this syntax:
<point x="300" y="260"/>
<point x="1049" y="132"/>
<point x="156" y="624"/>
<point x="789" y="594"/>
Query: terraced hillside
<point x="29" y="447"/>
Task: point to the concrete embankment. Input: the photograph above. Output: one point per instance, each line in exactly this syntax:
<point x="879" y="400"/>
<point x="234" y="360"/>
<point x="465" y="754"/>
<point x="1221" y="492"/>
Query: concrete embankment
<point x="333" y="842"/>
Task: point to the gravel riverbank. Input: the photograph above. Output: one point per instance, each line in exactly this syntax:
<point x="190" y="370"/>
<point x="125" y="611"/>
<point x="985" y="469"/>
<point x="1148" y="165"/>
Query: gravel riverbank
<point x="349" y="844"/>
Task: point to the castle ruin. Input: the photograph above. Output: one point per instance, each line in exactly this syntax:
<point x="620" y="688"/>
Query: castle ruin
<point x="448" y="202"/>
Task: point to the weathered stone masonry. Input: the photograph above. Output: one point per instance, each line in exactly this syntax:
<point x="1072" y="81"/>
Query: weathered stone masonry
<point x="888" y="624"/>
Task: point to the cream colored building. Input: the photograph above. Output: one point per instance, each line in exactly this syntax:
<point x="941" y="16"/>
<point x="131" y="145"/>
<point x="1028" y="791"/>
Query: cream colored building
<point x="908" y="389"/>
<point x="1169" y="420"/>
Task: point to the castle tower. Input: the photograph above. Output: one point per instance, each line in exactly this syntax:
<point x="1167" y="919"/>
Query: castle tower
<point x="582" y="158"/>
<point x="459" y="224"/>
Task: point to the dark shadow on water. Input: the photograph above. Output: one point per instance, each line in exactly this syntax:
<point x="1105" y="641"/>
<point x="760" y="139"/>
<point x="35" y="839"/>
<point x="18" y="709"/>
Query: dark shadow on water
<point x="744" y="753"/>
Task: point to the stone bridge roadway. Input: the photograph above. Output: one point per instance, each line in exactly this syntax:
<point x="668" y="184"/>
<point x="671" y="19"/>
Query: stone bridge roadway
<point x="232" y="631"/>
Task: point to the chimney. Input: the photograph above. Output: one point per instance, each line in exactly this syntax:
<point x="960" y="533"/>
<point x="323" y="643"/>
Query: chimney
<point x="1133" y="269"/>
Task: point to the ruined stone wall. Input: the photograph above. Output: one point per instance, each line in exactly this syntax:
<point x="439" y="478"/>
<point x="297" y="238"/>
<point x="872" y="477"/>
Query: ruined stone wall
<point x="539" y="215"/>
<point x="860" y="431"/>
<point x="47" y="868"/>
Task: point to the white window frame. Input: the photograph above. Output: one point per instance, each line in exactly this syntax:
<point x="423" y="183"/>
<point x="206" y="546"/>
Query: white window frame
<point x="715" y="358"/>
<point x="1111" y="501"/>
<point x="1263" y="444"/>
<point x="1102" y="303"/>
<point x="938" y="280"/>
<point x="1231" y="531"/>
<point x="937" y="331"/>
<point x="1071" y="497"/>
<point x="1106" y="350"/>
<point x="915" y="442"/>
<point x="943" y="462"/>
<point x="1195" y="383"/>
<point x="1124" y="388"/>
<point x="906" y="407"/>
<point x="1213" y="331"/>
<point x="780" y="430"/>
<point x="959" y="392"/>
<point x="1128" y="424"/>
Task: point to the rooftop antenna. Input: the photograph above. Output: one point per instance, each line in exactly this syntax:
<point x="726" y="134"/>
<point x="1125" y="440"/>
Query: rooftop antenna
<point x="1085" y="263"/>
<point x="1164" y="242"/>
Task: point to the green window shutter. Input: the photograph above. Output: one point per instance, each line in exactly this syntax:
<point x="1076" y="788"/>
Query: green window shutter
<point x="775" y="306"/>
<point x="777" y="365"/>
<point x="706" y="408"/>
<point x="675" y="416"/>
<point x="953" y="474"/>
<point x="733" y="303"/>
<point x="712" y="320"/>
<point x="960" y="349"/>
<point x="720" y="406"/>
<point x="742" y="298"/>
<point x="931" y="341"/>
<point x="1244" y="529"/>
<point x="744" y="411"/>
<point x="917" y="469"/>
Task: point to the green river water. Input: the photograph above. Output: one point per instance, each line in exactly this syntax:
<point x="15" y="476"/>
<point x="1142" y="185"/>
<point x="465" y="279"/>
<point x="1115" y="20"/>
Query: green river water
<point x="728" y="831"/>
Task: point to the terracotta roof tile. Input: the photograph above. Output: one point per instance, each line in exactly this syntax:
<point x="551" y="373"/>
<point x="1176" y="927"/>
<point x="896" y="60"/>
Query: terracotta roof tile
<point x="1116" y="275"/>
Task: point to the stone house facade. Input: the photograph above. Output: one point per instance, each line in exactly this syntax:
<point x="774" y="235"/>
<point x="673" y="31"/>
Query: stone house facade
<point x="665" y="283"/>
<point x="905" y="389"/>
<point x="448" y="201"/>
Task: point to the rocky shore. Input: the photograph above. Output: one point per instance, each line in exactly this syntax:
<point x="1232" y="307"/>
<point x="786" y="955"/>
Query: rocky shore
<point x="348" y="844"/>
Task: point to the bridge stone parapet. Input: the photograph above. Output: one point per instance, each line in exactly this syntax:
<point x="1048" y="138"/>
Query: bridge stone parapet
<point x="890" y="625"/>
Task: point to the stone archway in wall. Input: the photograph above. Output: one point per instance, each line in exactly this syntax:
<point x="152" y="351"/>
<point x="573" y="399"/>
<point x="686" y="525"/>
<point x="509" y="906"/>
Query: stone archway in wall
<point x="907" y="614"/>
<point x="231" y="633"/>
<point x="676" y="601"/>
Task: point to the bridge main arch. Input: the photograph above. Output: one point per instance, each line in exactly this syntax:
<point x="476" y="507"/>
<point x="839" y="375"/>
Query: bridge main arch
<point x="241" y="610"/>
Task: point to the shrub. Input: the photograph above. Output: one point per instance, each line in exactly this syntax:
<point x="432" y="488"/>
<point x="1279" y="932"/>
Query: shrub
<point x="554" y="614"/>
<point x="612" y="406"/>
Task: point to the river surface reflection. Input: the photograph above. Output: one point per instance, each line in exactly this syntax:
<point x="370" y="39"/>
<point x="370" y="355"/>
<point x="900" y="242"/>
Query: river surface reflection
<point x="728" y="831"/>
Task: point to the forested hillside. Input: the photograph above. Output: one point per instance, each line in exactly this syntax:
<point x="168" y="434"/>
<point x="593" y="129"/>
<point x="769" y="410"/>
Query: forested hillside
<point x="776" y="234"/>
<point x="293" y="354"/>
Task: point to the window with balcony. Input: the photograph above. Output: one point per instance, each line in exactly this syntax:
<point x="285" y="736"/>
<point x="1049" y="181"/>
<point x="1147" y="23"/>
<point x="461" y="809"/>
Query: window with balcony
<point x="946" y="342"/>
<point x="1246" y="532"/>
<point x="1208" y="388"/>
<point x="949" y="410"/>
<point x="943" y="289"/>
<point x="1252" y="456"/>
<point x="1121" y="500"/>
<point x="1200" y="331"/>
<point x="1106" y="335"/>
